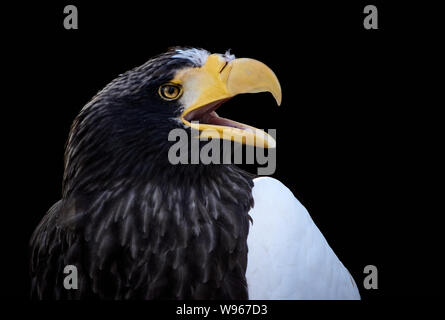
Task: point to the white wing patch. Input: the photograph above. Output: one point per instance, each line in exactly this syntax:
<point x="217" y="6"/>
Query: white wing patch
<point x="288" y="256"/>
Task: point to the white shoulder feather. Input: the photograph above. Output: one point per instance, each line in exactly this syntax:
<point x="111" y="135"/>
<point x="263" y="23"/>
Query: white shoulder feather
<point x="288" y="256"/>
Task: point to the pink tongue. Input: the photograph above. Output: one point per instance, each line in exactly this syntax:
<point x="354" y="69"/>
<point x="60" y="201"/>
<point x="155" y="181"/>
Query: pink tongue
<point x="204" y="112"/>
<point x="213" y="118"/>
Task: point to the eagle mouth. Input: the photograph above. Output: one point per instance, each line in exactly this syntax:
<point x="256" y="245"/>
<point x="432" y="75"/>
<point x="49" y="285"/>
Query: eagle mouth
<point x="207" y="115"/>
<point x="217" y="81"/>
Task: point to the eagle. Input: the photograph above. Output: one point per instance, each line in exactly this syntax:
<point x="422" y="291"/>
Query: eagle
<point x="136" y="226"/>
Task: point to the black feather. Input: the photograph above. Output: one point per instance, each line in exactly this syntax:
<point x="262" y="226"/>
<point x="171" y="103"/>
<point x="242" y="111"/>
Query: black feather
<point x="135" y="226"/>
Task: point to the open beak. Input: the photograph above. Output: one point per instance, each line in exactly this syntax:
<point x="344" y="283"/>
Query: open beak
<point x="218" y="80"/>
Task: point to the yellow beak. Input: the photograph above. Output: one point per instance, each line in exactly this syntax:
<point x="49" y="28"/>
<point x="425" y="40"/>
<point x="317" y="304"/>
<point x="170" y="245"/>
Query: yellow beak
<point x="207" y="87"/>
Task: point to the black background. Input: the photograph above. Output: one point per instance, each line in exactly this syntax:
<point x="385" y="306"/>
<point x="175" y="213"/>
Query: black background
<point x="350" y="131"/>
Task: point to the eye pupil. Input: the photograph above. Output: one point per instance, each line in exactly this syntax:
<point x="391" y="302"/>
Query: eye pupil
<point x="171" y="90"/>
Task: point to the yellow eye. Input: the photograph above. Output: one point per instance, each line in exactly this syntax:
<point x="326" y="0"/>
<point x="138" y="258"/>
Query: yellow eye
<point x="170" y="91"/>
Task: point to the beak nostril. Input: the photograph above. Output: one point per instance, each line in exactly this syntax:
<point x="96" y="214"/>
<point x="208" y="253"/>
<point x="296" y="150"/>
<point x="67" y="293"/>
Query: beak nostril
<point x="223" y="67"/>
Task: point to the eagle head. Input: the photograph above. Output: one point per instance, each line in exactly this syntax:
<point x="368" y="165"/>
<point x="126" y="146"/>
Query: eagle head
<point x="124" y="129"/>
